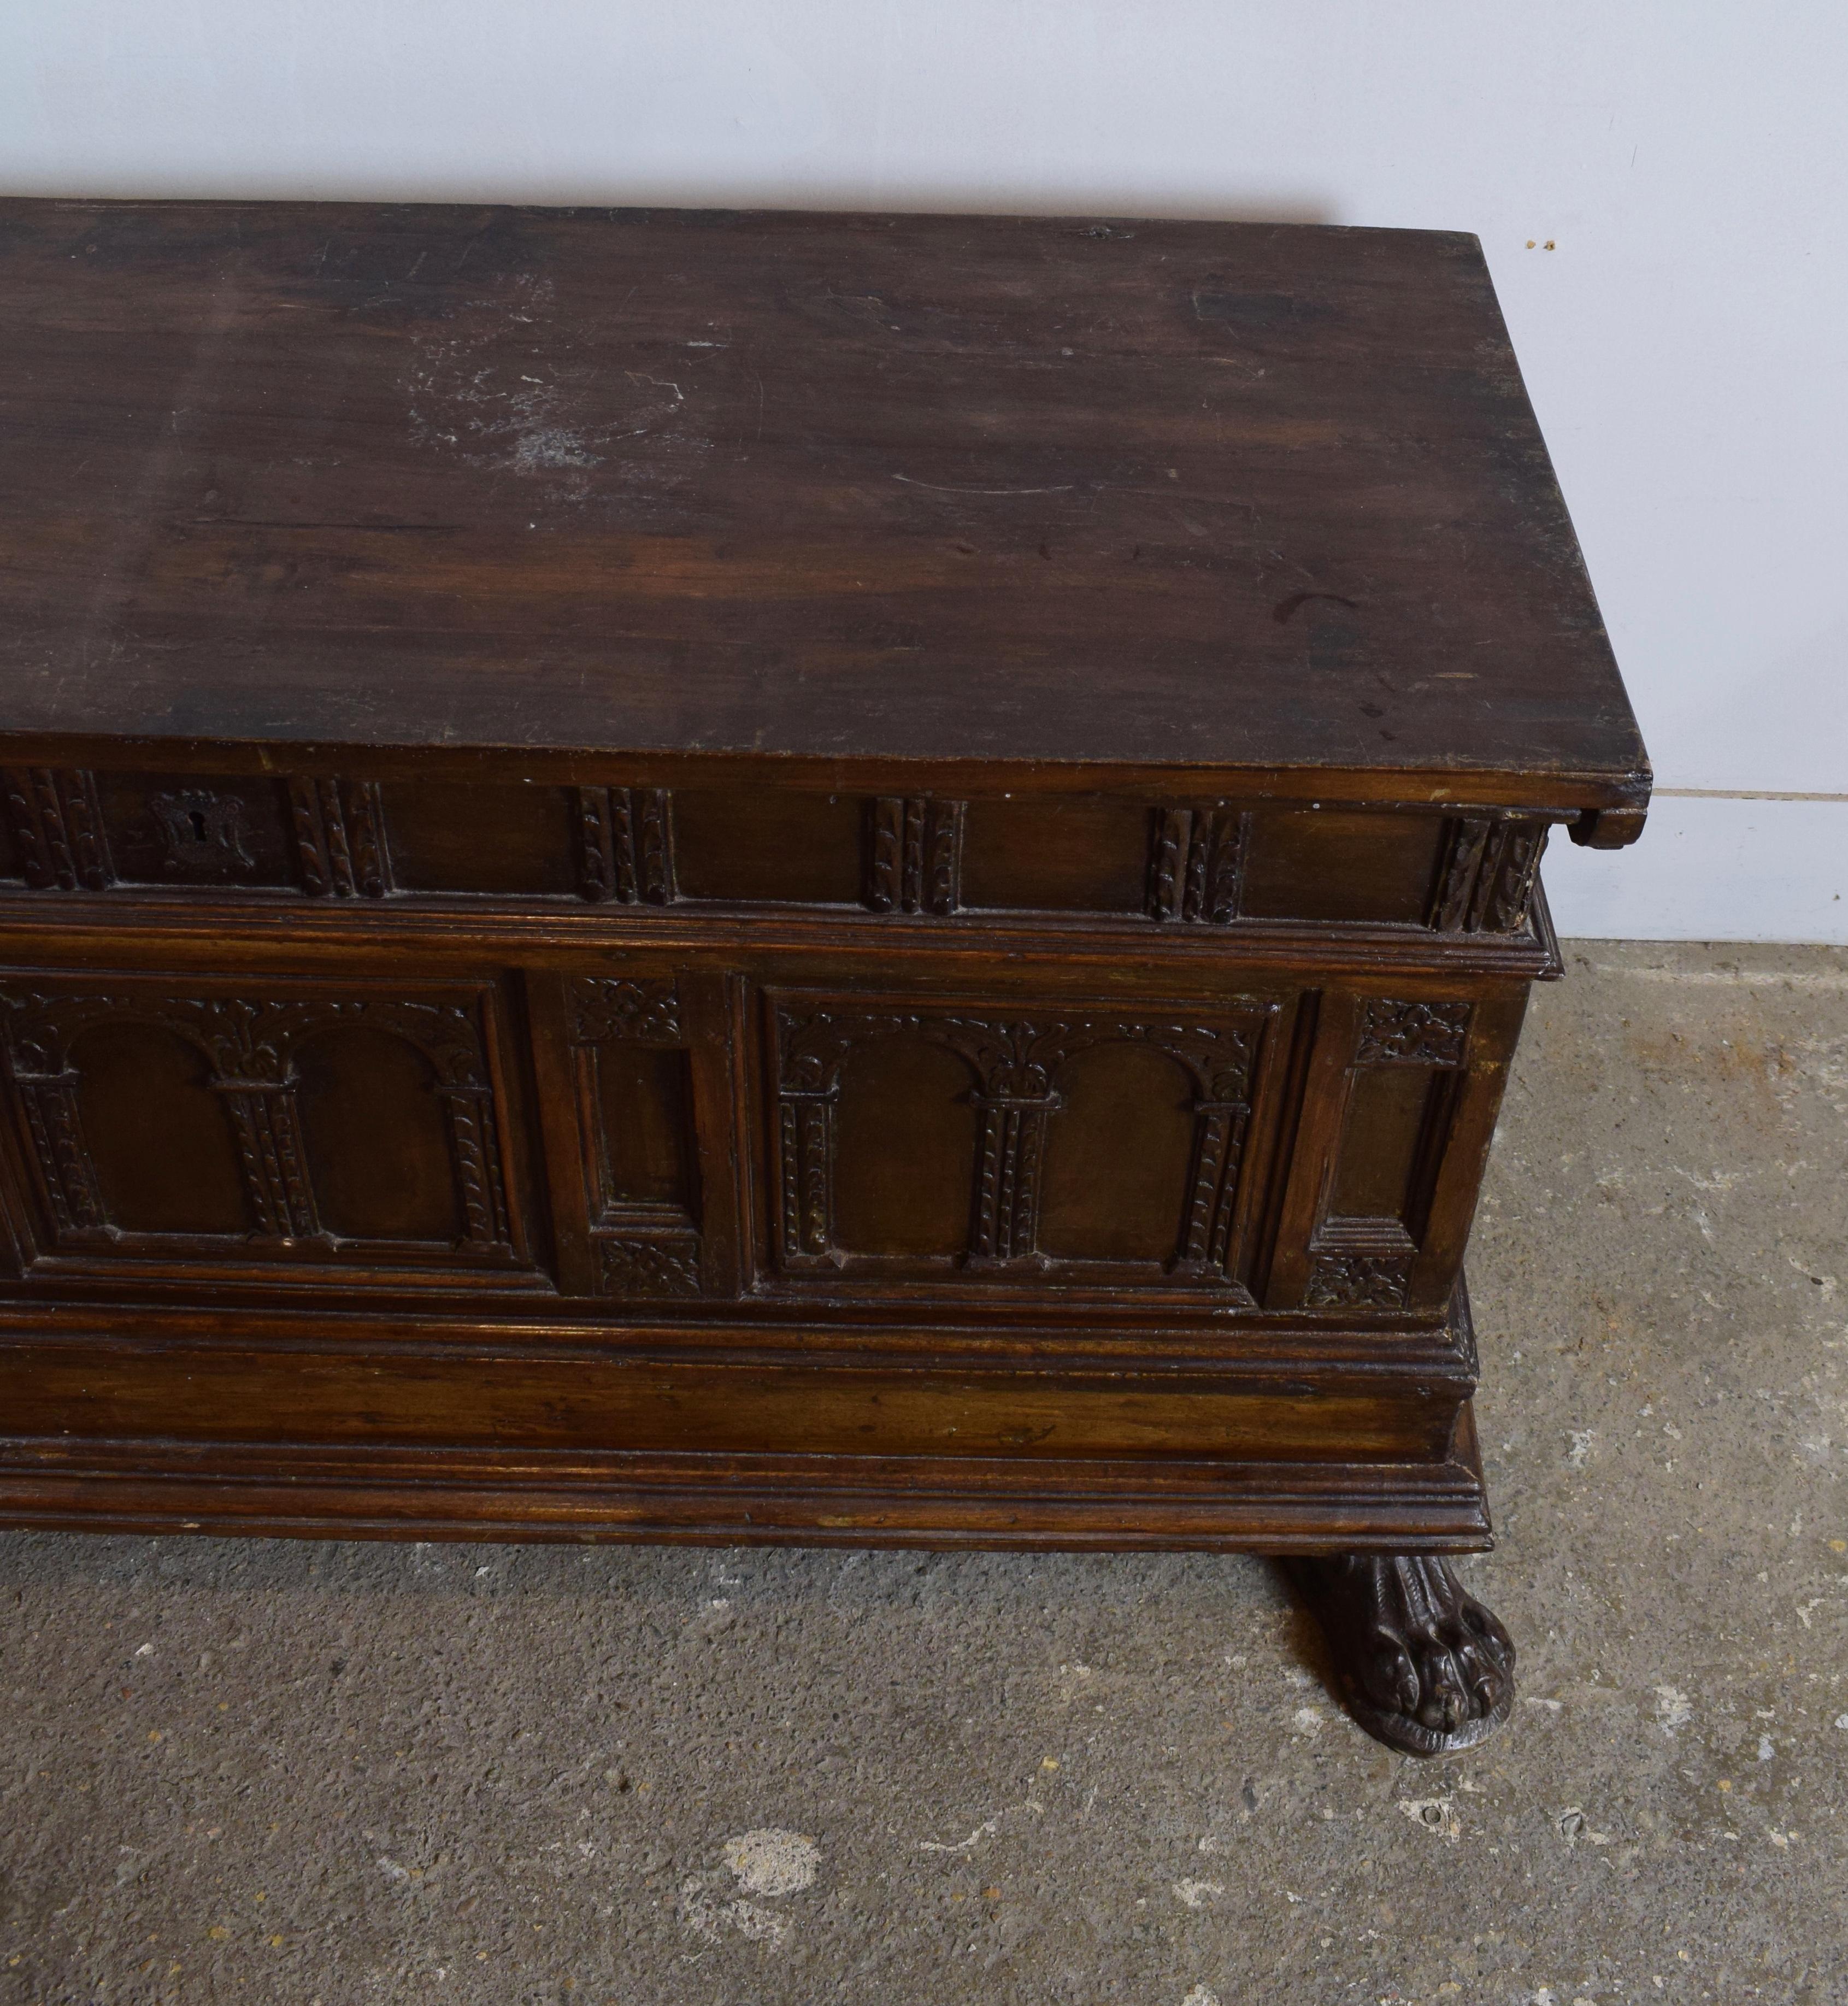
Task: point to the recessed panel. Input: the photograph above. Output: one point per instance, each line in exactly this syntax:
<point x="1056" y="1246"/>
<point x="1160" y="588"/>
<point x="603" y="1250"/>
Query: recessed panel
<point x="446" y="836"/>
<point x="763" y="844"/>
<point x="644" y="1109"/>
<point x="165" y="1159"/>
<point x="905" y="1141"/>
<point x="1083" y="855"/>
<point x="1117" y="1154"/>
<point x="1386" y="1111"/>
<point x="1328" y="864"/>
<point x="378" y="1144"/>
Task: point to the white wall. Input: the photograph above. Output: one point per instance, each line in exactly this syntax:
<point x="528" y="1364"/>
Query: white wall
<point x="1684" y="342"/>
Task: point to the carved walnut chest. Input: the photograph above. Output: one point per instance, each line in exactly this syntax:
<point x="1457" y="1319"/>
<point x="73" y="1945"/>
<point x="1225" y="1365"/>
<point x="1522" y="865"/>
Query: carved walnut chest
<point x="855" y="878"/>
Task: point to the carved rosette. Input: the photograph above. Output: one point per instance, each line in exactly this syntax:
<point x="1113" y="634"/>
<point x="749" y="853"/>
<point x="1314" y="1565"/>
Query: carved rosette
<point x="1359" y="1281"/>
<point x="56" y="822"/>
<point x="1486" y="880"/>
<point x="625" y="846"/>
<point x="1426" y="1034"/>
<point x="635" y="1268"/>
<point x="339" y="827"/>
<point x="604" y="1007"/>
<point x="1014" y="1062"/>
<point x="249" y="1044"/>
<point x="914" y="854"/>
<point x="1197" y="864"/>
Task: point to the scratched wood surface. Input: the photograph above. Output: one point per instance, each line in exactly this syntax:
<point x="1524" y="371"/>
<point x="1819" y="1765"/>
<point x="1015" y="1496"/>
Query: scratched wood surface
<point x="1186" y="495"/>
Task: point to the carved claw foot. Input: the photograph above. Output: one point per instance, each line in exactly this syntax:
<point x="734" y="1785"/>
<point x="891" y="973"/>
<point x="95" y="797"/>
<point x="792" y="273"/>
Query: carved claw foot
<point x="1423" y="1666"/>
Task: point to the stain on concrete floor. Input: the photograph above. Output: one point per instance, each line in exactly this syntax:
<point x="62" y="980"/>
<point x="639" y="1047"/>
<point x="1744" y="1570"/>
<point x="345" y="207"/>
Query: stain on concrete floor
<point x="532" y="1776"/>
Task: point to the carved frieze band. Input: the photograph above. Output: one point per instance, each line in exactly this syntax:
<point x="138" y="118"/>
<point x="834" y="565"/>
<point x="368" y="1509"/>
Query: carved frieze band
<point x="339" y="827"/>
<point x="1487" y="877"/>
<point x="249" y="1045"/>
<point x="1424" y="1034"/>
<point x="1197" y="864"/>
<point x="625" y="845"/>
<point x="1014" y="1062"/>
<point x="914" y="854"/>
<point x="57" y="833"/>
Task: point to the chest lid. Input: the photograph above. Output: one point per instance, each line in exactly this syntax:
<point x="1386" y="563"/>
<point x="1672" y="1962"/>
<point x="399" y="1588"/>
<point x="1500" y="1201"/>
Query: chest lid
<point x="1228" y="505"/>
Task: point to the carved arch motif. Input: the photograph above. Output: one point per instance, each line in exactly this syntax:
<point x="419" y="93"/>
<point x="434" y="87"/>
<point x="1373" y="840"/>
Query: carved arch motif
<point x="249" y="1044"/>
<point x="1015" y="1061"/>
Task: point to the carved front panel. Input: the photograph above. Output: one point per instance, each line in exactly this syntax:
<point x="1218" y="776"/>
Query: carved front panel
<point x="997" y="1144"/>
<point x="635" y="1119"/>
<point x="1378" y="1206"/>
<point x="168" y="1120"/>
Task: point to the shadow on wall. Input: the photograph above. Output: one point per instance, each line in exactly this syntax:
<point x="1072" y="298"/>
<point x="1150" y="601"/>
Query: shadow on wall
<point x="642" y="190"/>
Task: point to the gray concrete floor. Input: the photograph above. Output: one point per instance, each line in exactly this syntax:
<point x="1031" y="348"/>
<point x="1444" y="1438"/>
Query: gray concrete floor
<point x="501" y="1776"/>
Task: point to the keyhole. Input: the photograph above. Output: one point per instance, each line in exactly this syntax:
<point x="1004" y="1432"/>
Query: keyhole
<point x="198" y="825"/>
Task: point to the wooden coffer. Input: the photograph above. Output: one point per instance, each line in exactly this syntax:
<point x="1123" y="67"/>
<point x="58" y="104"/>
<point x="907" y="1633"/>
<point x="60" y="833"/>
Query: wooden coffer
<point x="766" y="876"/>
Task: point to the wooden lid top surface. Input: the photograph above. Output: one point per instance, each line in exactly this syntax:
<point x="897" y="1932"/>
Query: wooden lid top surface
<point x="1044" y="492"/>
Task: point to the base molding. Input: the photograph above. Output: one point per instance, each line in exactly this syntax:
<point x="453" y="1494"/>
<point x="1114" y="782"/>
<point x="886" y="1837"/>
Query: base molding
<point x="367" y="1492"/>
<point x="230" y="1423"/>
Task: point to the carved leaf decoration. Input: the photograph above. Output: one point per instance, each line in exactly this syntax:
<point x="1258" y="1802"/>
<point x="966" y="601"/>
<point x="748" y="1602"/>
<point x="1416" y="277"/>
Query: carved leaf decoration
<point x="1413" y="1034"/>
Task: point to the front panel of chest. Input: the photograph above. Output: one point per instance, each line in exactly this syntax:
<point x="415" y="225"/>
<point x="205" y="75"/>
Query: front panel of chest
<point x="200" y="1130"/>
<point x="989" y="1141"/>
<point x="675" y="1135"/>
